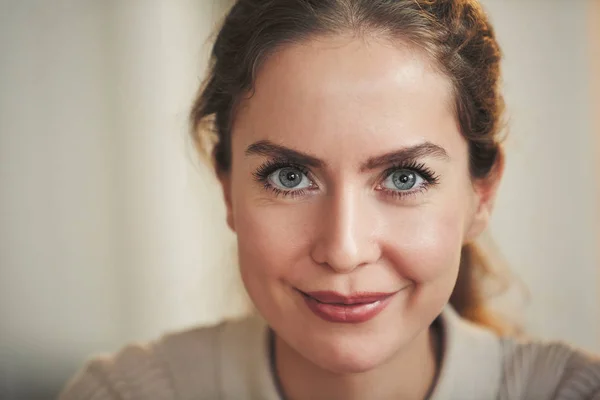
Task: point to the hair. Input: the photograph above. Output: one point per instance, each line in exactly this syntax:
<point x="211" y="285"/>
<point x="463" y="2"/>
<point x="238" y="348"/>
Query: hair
<point x="455" y="34"/>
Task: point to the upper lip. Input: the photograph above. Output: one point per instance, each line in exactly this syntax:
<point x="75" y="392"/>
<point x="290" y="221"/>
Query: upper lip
<point x="329" y="297"/>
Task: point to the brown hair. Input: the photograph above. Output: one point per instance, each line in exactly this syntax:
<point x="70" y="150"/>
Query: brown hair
<point x="456" y="34"/>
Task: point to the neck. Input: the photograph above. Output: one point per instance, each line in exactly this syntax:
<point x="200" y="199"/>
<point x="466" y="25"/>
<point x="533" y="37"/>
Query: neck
<point x="410" y="374"/>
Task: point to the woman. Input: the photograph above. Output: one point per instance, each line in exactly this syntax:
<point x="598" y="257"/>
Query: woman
<point x="357" y="145"/>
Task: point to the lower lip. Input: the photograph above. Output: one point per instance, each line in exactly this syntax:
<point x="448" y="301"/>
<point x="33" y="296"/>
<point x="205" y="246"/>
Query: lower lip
<point x="347" y="313"/>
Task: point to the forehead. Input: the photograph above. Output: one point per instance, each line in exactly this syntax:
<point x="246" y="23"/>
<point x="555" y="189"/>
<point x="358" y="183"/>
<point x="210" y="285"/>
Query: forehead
<point x="354" y="96"/>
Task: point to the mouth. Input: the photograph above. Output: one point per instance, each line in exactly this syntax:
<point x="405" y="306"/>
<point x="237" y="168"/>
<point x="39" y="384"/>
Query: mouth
<point x="355" y="308"/>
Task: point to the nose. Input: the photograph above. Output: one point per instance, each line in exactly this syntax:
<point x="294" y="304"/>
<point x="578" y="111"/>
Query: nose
<point x="347" y="233"/>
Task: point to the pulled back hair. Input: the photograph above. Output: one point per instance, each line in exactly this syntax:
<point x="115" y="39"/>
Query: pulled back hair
<point x="455" y="34"/>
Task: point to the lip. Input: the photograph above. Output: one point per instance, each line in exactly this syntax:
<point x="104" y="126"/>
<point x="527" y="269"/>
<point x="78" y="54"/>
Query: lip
<point x="352" y="309"/>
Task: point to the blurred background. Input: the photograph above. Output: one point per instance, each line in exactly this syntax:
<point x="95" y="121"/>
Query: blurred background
<point x="111" y="230"/>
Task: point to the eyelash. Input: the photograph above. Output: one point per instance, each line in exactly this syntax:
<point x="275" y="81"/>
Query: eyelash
<point x="430" y="179"/>
<point x="263" y="172"/>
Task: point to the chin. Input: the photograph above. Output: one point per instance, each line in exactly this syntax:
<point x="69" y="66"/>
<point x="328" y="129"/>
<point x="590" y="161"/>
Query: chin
<point x="348" y="357"/>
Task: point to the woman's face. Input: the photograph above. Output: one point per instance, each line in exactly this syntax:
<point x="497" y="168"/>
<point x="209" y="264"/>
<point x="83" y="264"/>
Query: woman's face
<point x="349" y="184"/>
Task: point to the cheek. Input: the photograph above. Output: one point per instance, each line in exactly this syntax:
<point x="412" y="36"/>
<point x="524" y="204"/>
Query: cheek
<point x="268" y="236"/>
<point x="427" y="244"/>
<point x="430" y="237"/>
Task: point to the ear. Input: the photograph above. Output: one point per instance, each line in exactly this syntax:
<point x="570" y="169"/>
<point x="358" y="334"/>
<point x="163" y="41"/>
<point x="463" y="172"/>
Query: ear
<point x="225" y="181"/>
<point x="485" y="195"/>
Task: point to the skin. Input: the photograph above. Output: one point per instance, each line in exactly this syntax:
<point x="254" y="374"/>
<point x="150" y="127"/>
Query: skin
<point x="345" y="101"/>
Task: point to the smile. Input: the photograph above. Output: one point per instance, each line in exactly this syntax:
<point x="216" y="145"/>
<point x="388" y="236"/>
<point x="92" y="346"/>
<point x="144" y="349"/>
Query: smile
<point x="353" y="309"/>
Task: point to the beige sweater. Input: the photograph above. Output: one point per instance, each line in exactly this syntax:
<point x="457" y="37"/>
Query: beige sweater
<point x="232" y="361"/>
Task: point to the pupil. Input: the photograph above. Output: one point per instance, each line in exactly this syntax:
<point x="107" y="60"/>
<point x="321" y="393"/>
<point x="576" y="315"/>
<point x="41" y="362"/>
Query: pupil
<point x="290" y="178"/>
<point x="404" y="180"/>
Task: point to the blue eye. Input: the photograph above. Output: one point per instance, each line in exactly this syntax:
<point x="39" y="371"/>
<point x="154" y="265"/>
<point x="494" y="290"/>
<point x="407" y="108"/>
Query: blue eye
<point x="289" y="178"/>
<point x="403" y="180"/>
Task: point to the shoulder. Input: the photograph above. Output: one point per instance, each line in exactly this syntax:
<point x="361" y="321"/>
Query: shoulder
<point x="479" y="364"/>
<point x="548" y="370"/>
<point x="168" y="368"/>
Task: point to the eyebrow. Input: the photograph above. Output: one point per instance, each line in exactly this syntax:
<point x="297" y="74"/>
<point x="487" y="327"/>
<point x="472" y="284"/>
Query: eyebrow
<point x="406" y="154"/>
<point x="270" y="149"/>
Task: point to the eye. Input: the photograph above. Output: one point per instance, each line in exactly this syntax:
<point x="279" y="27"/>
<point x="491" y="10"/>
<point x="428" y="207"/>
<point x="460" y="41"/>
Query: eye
<point x="403" y="180"/>
<point x="288" y="178"/>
